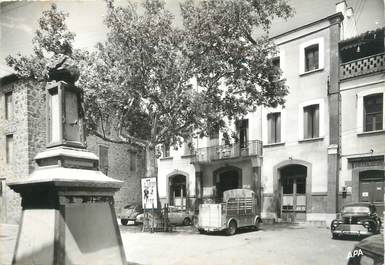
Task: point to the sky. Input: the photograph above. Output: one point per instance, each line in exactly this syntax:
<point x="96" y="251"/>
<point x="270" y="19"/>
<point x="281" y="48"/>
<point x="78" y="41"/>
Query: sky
<point x="18" y="20"/>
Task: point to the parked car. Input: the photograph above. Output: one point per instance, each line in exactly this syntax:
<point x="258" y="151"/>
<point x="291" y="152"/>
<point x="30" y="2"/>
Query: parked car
<point x="129" y="213"/>
<point x="368" y="251"/>
<point x="359" y="219"/>
<point x="176" y="216"/>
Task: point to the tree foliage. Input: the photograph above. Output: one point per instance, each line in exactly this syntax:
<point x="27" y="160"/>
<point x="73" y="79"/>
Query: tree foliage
<point x="159" y="83"/>
<point x="51" y="40"/>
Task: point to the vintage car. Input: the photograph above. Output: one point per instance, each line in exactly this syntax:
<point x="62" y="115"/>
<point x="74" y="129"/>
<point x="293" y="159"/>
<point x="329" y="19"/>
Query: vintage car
<point x="368" y="251"/>
<point x="175" y="215"/>
<point x="129" y="213"/>
<point x="358" y="219"/>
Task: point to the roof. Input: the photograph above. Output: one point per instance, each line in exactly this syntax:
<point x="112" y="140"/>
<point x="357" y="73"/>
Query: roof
<point x="6" y="71"/>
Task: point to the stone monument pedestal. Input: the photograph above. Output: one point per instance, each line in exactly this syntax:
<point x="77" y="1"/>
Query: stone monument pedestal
<point x="68" y="212"/>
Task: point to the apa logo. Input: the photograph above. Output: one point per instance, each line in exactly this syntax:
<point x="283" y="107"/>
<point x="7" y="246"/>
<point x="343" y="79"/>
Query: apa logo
<point x="355" y="253"/>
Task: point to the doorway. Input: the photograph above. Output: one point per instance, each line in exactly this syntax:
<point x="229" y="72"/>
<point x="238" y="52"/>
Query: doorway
<point x="293" y="193"/>
<point x="177" y="191"/>
<point x="226" y="180"/>
<point x="371" y="188"/>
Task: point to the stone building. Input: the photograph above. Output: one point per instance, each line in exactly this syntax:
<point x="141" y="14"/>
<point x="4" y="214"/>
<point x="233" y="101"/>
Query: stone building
<point x="307" y="159"/>
<point x="23" y="135"/>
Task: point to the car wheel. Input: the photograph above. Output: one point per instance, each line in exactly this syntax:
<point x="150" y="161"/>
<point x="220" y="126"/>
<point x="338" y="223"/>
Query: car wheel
<point x="186" y="221"/>
<point x="124" y="221"/>
<point x="334" y="236"/>
<point x="232" y="229"/>
<point x="201" y="231"/>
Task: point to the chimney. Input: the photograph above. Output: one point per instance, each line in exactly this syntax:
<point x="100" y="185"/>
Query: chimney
<point x="348" y="25"/>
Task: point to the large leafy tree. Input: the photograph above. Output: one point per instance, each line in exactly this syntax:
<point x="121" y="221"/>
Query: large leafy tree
<point x="52" y="40"/>
<point x="157" y="83"/>
<point x="152" y="82"/>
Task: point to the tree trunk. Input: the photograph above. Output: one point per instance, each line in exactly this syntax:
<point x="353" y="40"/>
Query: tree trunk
<point x="152" y="169"/>
<point x="151" y="163"/>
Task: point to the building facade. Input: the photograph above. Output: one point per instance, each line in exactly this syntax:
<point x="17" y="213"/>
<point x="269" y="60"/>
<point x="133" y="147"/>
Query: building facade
<point x="362" y="94"/>
<point x="23" y="135"/>
<point x="302" y="160"/>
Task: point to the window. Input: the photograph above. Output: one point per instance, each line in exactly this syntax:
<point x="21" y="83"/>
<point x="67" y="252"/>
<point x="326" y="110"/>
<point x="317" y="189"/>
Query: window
<point x="214" y="132"/>
<point x="103" y="159"/>
<point x="274" y="127"/>
<point x="276" y="62"/>
<point x="8" y="106"/>
<point x="243" y="128"/>
<point x="373" y="112"/>
<point x="9" y="149"/>
<point x="311" y="57"/>
<point x="133" y="162"/>
<point x="311" y="121"/>
<point x="166" y="150"/>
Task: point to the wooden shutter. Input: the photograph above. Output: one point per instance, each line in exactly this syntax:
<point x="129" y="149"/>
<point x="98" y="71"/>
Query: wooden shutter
<point x="316" y="121"/>
<point x="278" y="128"/>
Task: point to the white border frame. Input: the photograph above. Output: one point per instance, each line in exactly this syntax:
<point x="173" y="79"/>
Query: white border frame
<point x="321" y="54"/>
<point x="321" y="121"/>
<point x="360" y="107"/>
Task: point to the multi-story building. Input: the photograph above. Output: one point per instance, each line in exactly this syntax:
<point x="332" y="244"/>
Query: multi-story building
<point x="362" y="95"/>
<point x="23" y="135"/>
<point x="300" y="158"/>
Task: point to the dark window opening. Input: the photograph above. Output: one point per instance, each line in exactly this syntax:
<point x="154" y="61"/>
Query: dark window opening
<point x="311" y="121"/>
<point x="9" y="106"/>
<point x="274" y="127"/>
<point x="243" y="128"/>
<point x="311" y="58"/>
<point x="9" y="149"/>
<point x="373" y="112"/>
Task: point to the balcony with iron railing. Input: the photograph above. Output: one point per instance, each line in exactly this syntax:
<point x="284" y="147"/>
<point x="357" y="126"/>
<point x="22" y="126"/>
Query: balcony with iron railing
<point x="362" y="66"/>
<point x="230" y="151"/>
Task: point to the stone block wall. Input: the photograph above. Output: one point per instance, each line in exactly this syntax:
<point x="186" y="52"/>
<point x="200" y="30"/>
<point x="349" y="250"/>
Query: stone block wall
<point x="124" y="163"/>
<point x="28" y="127"/>
<point x="19" y="166"/>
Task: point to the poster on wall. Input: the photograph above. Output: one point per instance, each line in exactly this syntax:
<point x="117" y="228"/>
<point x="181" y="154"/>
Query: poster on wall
<point x="149" y="193"/>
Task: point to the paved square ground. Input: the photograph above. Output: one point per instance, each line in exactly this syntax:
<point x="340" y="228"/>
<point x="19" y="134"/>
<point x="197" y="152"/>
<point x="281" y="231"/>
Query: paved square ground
<point x="272" y="244"/>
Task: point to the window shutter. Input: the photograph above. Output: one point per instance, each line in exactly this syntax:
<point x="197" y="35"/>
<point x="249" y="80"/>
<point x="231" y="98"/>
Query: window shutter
<point x="316" y="121"/>
<point x="306" y="123"/>
<point x="278" y="128"/>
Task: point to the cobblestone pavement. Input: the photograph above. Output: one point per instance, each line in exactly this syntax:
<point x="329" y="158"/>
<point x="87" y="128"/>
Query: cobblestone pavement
<point x="276" y="244"/>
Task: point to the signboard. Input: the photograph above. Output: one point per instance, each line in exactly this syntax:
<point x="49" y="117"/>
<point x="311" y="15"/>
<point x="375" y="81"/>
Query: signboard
<point x="149" y="193"/>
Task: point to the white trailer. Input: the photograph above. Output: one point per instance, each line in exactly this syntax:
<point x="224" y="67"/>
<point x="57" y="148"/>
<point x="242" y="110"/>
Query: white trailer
<point x="238" y="209"/>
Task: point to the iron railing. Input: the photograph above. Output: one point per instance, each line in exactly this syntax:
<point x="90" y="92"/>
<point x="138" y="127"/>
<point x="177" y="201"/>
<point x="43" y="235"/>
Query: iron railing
<point x="235" y="150"/>
<point x="362" y="66"/>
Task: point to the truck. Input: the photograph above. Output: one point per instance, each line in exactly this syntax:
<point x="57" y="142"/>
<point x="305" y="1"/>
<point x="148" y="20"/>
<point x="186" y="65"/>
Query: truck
<point x="239" y="209"/>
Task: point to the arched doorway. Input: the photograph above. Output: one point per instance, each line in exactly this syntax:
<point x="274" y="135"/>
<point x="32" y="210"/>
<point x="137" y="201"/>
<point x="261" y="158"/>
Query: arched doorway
<point x="177" y="191"/>
<point x="293" y="192"/>
<point x="371" y="188"/>
<point x="227" y="179"/>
